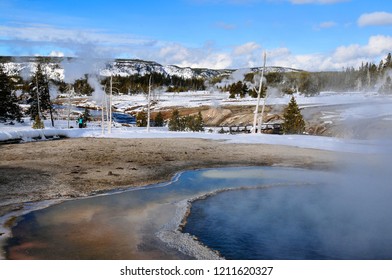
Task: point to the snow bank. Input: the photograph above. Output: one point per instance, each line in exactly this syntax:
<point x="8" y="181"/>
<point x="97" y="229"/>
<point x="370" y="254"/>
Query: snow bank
<point x="365" y="106"/>
<point x="302" y="141"/>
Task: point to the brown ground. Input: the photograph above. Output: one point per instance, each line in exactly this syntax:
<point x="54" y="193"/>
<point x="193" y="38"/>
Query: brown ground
<point x="79" y="167"/>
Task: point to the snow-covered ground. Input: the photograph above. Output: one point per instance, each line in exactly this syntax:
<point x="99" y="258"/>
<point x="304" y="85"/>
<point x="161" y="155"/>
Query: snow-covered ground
<point x="220" y="99"/>
<point x="26" y="133"/>
<point x="358" y="106"/>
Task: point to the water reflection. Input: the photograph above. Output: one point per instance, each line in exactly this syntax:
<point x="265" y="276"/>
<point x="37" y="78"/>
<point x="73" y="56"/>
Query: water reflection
<point x="124" y="225"/>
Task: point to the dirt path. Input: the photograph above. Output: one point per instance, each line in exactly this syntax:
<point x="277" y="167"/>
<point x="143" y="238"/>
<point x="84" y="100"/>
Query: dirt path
<point x="80" y="167"/>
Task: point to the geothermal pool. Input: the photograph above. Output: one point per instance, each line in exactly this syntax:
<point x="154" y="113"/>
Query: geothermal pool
<point x="242" y="213"/>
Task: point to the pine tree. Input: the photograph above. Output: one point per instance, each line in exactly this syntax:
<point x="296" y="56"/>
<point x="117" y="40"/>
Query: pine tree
<point x="159" y="120"/>
<point x="388" y="61"/>
<point x="9" y="108"/>
<point x="387" y="86"/>
<point x="199" y="123"/>
<point x="186" y="123"/>
<point x="39" y="95"/>
<point x="81" y="86"/>
<point x="244" y="90"/>
<point x="38" y="123"/>
<point x="175" y="121"/>
<point x="87" y="117"/>
<point x="293" y="120"/>
<point x="141" y="119"/>
<point x="236" y="89"/>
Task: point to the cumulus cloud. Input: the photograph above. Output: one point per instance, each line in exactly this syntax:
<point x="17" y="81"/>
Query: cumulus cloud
<point x="375" y="19"/>
<point x="177" y="54"/>
<point x="343" y="56"/>
<point x="83" y="43"/>
<point x="245" y="49"/>
<point x="377" y="46"/>
<point x="174" y="52"/>
<point x="47" y="35"/>
<point x="246" y="55"/>
<point x="56" y="53"/>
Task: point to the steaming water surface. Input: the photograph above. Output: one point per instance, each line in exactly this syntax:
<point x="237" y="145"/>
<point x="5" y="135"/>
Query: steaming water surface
<point x="283" y="223"/>
<point x="250" y="213"/>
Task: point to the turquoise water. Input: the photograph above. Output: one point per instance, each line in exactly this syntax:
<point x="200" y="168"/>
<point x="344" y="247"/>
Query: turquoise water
<point x="251" y="213"/>
<point x="284" y="224"/>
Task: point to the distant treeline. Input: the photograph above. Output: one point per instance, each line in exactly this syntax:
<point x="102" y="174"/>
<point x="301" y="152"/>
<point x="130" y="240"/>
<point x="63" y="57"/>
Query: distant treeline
<point x="130" y="84"/>
<point x="368" y="77"/>
<point x="137" y="83"/>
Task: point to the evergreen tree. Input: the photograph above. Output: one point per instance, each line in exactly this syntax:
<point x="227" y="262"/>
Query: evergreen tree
<point x="175" y="121"/>
<point x="86" y="116"/>
<point x="236" y="89"/>
<point x="388" y="61"/>
<point x="38" y="123"/>
<point x="387" y="86"/>
<point x="186" y="123"/>
<point x="9" y="108"/>
<point x="159" y="119"/>
<point x="199" y="123"/>
<point x="253" y="93"/>
<point x="81" y="86"/>
<point x="39" y="95"/>
<point x="293" y="120"/>
<point x="141" y="119"/>
<point x="244" y="90"/>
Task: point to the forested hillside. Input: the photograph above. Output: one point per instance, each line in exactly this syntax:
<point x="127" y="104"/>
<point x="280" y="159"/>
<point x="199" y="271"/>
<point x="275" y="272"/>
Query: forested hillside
<point x="25" y="78"/>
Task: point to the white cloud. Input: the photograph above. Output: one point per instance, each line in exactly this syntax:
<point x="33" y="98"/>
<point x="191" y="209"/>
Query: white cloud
<point x="94" y="43"/>
<point x="342" y="57"/>
<point x="56" y="53"/>
<point x="174" y="52"/>
<point x="177" y="54"/>
<point x="375" y="19"/>
<point x="246" y="49"/>
<point x="246" y="55"/>
<point x="377" y="46"/>
<point x="47" y="35"/>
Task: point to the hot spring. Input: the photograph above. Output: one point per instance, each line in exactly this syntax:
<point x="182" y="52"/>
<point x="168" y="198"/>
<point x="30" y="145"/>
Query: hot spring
<point x="240" y="213"/>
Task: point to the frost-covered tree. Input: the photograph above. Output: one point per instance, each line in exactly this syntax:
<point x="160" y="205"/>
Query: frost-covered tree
<point x="39" y="95"/>
<point x="9" y="108"/>
<point x="387" y="86"/>
<point x="293" y="120"/>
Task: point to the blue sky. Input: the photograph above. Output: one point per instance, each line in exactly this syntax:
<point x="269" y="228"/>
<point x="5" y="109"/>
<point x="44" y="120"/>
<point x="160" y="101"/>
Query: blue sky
<point x="305" y="34"/>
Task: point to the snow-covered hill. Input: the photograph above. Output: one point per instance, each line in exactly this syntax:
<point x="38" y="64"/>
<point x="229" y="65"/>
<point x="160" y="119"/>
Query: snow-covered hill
<point x="26" y="66"/>
<point x="54" y="67"/>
